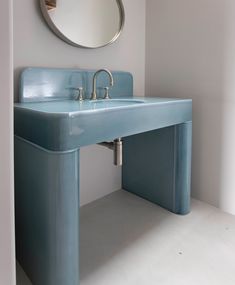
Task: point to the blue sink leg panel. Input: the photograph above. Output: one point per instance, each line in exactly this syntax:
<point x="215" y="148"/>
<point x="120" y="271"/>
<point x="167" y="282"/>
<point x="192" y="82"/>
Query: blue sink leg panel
<point x="157" y="166"/>
<point x="47" y="214"/>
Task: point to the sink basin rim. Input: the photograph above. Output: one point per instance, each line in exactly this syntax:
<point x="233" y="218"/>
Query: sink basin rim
<point x="137" y="103"/>
<point x="127" y="100"/>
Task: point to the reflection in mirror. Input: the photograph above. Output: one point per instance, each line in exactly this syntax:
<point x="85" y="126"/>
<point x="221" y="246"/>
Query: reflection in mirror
<point x="51" y="4"/>
<point x="85" y="23"/>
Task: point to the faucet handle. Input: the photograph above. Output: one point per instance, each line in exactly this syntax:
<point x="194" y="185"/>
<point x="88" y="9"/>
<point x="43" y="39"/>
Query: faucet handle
<point x="80" y="93"/>
<point x="106" y="94"/>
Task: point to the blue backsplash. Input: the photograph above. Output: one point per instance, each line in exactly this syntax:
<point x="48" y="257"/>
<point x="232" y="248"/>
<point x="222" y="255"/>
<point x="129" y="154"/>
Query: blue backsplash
<point x="49" y="84"/>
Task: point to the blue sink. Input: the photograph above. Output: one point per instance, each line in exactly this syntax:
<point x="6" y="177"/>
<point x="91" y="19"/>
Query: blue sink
<point x="50" y="129"/>
<point x="48" y="115"/>
<point x="112" y="103"/>
<point x="68" y="124"/>
<point x="72" y="106"/>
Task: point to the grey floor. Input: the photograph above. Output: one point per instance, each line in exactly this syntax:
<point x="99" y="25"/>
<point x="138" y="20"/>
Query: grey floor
<point x="126" y="240"/>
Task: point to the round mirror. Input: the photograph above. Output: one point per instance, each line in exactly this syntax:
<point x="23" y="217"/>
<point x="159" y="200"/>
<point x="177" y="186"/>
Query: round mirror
<point x="85" y="23"/>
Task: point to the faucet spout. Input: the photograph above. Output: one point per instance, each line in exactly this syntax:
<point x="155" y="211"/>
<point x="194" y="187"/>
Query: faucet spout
<point x="94" y="94"/>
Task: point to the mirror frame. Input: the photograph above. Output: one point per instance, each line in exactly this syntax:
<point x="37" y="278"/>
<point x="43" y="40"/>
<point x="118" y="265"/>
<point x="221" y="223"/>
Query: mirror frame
<point x="57" y="32"/>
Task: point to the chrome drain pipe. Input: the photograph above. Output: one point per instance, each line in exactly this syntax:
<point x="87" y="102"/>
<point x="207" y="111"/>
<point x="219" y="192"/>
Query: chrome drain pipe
<point x="116" y="146"/>
<point x="117" y="152"/>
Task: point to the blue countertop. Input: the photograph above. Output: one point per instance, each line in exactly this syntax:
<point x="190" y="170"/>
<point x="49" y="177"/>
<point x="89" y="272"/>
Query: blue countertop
<point x="68" y="124"/>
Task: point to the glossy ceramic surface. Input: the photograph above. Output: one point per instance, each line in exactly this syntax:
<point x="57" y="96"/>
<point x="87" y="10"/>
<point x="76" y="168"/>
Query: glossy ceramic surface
<point x="71" y="107"/>
<point x="69" y="124"/>
<point x="50" y="84"/>
<point x="50" y="129"/>
<point x="157" y="166"/>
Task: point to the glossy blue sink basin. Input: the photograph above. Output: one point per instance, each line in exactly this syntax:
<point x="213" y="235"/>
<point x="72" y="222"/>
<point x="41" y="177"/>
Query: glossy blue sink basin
<point x="68" y="124"/>
<point x="111" y="103"/>
<point x="71" y="106"/>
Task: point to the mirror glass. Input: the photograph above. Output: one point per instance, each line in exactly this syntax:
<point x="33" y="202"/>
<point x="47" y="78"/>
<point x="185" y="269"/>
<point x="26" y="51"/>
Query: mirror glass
<point x="85" y="23"/>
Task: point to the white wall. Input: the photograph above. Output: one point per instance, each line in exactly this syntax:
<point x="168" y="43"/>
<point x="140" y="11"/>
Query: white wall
<point x="36" y="45"/>
<point x="7" y="257"/>
<point x="190" y="53"/>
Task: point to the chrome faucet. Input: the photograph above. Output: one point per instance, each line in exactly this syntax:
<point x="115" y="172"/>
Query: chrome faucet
<point x="93" y="94"/>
